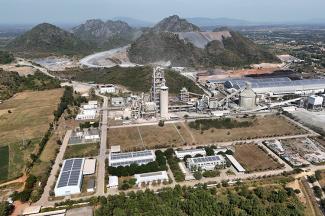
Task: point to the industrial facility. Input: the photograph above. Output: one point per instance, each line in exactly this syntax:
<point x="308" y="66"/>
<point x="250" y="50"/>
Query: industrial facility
<point x="128" y="158"/>
<point x="205" y="163"/>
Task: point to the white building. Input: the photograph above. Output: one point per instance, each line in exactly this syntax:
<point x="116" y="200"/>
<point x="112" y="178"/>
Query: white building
<point x="150" y="177"/>
<point x="205" y="163"/>
<point x="117" y="101"/>
<point x="128" y="158"/>
<point x="315" y="101"/>
<point x="70" y="177"/>
<point x="191" y="152"/>
<point x="113" y="182"/>
<point x="109" y="88"/>
<point x="90" y="105"/>
<point x="89" y="167"/>
<point x="235" y="163"/>
<point x="88" y="114"/>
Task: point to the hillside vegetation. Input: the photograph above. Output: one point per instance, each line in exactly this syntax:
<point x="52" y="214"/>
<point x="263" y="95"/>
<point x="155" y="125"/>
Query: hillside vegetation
<point x="11" y="83"/>
<point x="199" y="201"/>
<point x="6" y="57"/>
<point x="46" y="39"/>
<point x="136" y="79"/>
<point x="176" y="40"/>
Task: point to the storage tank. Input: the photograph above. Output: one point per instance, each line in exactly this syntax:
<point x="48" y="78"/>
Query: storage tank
<point x="164" y="102"/>
<point x="247" y="99"/>
<point x="315" y="101"/>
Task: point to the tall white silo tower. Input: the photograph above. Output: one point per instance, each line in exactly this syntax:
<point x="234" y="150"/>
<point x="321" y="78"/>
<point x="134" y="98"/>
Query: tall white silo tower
<point x="164" y="102"/>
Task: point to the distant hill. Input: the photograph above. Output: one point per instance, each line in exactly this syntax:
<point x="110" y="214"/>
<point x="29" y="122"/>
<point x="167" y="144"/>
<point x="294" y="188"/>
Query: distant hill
<point x="175" y="40"/>
<point x="175" y="24"/>
<point x="203" y="21"/>
<point x="47" y="39"/>
<point x="106" y="35"/>
<point x="136" y="23"/>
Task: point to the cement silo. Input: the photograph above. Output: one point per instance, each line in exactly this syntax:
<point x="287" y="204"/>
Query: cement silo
<point x="247" y="99"/>
<point x="164" y="102"/>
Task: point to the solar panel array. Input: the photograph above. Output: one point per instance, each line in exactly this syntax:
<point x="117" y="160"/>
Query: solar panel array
<point x="70" y="172"/>
<point x="206" y="159"/>
<point x="117" y="156"/>
<point x="127" y="163"/>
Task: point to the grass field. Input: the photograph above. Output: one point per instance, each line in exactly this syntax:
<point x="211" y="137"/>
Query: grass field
<point x="83" y="150"/>
<point x="24" y="120"/>
<point x="268" y="126"/>
<point x="252" y="158"/>
<point x="4" y="162"/>
<point x="131" y="138"/>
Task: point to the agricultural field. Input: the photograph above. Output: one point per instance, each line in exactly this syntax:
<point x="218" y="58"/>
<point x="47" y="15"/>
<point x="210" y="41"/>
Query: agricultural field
<point x="4" y="162"/>
<point x="131" y="138"/>
<point x="82" y="150"/>
<point x="24" y="119"/>
<point x="253" y="159"/>
<point x="267" y="126"/>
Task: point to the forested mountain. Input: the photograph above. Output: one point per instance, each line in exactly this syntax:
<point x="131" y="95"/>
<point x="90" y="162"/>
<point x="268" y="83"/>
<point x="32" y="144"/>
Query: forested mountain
<point x="106" y="35"/>
<point x="6" y="57"/>
<point x="180" y="42"/>
<point x="47" y="39"/>
<point x="175" y="24"/>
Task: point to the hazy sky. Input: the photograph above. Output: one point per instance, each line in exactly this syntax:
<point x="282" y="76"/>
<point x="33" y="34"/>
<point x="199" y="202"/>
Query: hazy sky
<point x="75" y="11"/>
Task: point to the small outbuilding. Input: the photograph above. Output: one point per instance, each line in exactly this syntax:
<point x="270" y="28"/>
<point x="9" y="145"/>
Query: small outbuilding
<point x="113" y="182"/>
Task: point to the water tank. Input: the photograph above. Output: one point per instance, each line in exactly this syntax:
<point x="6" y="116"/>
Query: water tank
<point x="164" y="102"/>
<point x="247" y="99"/>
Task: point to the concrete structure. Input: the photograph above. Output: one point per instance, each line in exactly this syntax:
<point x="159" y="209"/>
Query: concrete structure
<point x="89" y="167"/>
<point x="61" y="212"/>
<point x="247" y="98"/>
<point x="150" y="177"/>
<point x="235" y="163"/>
<point x="112" y="182"/>
<point x="184" y="95"/>
<point x="315" y="102"/>
<point x="90" y="105"/>
<point x="88" y="114"/>
<point x="70" y="177"/>
<point x="164" y="102"/>
<point x="205" y="163"/>
<point x="91" y="185"/>
<point x="158" y="80"/>
<point x="108" y="88"/>
<point x="115" y="149"/>
<point x="86" y="135"/>
<point x="117" y="101"/>
<point x="191" y="152"/>
<point x="128" y="158"/>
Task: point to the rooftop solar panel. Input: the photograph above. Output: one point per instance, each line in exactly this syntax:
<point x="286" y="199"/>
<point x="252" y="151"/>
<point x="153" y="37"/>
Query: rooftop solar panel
<point x="70" y="173"/>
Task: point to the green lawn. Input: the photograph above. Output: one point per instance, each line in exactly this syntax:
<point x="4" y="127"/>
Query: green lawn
<point x="82" y="150"/>
<point x="4" y="162"/>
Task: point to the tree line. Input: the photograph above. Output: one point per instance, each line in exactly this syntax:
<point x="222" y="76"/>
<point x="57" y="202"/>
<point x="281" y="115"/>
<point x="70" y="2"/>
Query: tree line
<point x="222" y="123"/>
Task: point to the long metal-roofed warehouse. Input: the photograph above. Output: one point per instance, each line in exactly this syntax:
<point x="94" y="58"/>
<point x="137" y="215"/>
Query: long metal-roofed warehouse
<point x="70" y="178"/>
<point x="128" y="158"/>
<point x="281" y="85"/>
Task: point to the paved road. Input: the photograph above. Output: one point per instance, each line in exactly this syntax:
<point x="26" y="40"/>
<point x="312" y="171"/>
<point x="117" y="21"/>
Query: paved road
<point x="55" y="168"/>
<point x="102" y="155"/>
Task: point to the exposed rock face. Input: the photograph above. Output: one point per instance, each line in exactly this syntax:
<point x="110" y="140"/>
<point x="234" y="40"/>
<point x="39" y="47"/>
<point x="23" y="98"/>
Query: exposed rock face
<point x="99" y="30"/>
<point x="175" y="24"/>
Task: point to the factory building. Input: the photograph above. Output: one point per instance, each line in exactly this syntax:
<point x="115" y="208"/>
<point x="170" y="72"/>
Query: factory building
<point x="109" y="89"/>
<point x="164" y="102"/>
<point x="247" y="98"/>
<point x="117" y="101"/>
<point x="88" y="111"/>
<point x="180" y="154"/>
<point x="150" y="177"/>
<point x="158" y="80"/>
<point x="276" y="86"/>
<point x="315" y="102"/>
<point x="70" y="177"/>
<point x="128" y="158"/>
<point x="205" y="163"/>
<point x="184" y="95"/>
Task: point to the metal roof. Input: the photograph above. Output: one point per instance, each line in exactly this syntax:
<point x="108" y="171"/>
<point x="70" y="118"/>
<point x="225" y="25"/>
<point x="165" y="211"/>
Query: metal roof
<point x="207" y="159"/>
<point x="116" y="156"/>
